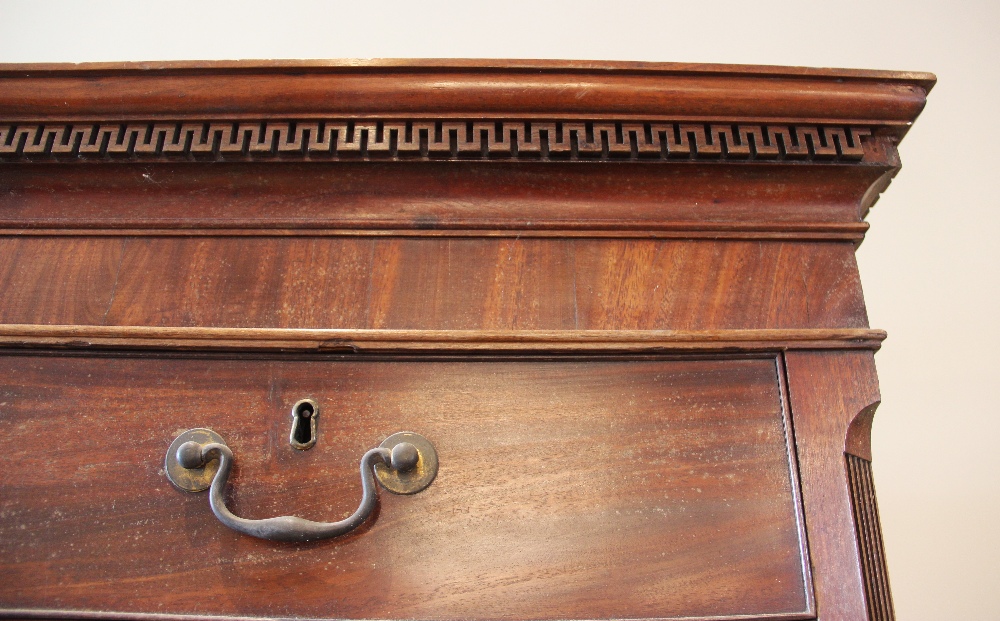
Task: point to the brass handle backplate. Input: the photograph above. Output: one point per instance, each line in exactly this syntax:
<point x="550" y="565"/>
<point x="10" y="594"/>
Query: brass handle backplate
<point x="199" y="459"/>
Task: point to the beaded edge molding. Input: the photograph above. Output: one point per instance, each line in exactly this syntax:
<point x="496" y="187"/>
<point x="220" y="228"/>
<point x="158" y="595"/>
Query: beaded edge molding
<point x="405" y="140"/>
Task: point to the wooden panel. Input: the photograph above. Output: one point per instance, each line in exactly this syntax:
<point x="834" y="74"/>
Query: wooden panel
<point x="468" y="284"/>
<point x="603" y="488"/>
<point x="690" y="285"/>
<point x="436" y="284"/>
<point x="58" y="280"/>
<point x="236" y="282"/>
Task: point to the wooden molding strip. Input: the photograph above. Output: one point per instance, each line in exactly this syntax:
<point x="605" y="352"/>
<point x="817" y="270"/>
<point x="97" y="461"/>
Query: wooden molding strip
<point x="100" y="615"/>
<point x="847" y="231"/>
<point x="427" y="140"/>
<point x="444" y="341"/>
<point x="511" y="89"/>
<point x="484" y="65"/>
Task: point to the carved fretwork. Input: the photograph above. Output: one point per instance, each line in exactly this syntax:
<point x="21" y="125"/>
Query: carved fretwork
<point x="869" y="532"/>
<point x="428" y="140"/>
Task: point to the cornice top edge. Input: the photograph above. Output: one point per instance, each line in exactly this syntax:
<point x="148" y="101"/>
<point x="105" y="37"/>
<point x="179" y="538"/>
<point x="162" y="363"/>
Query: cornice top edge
<point x="561" y="89"/>
<point x="413" y="65"/>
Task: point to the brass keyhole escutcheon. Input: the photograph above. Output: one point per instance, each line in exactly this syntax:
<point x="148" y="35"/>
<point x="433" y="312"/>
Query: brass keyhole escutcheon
<point x="304" y="421"/>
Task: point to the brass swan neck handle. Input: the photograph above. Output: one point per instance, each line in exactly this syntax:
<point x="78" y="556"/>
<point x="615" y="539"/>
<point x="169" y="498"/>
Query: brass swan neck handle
<point x="404" y="463"/>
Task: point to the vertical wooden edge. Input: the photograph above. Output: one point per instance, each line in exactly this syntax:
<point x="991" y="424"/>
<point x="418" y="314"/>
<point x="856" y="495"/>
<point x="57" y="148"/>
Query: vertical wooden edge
<point x="829" y="391"/>
<point x="786" y="411"/>
<point x="869" y="535"/>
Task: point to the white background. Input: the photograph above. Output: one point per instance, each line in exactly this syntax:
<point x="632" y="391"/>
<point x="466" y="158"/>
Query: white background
<point x="929" y="264"/>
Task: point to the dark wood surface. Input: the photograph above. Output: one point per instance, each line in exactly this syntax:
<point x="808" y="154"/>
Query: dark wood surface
<point x="574" y="489"/>
<point x="829" y="392"/>
<point x="74" y="338"/>
<point x="621" y="298"/>
<point x="522" y="88"/>
<point x="555" y="199"/>
<point x="460" y="284"/>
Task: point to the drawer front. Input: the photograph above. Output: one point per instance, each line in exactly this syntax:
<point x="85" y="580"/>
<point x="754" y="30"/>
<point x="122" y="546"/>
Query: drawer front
<point x="577" y="488"/>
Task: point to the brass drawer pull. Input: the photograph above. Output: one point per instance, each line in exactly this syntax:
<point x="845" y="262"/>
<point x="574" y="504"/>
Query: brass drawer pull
<point x="198" y="459"/>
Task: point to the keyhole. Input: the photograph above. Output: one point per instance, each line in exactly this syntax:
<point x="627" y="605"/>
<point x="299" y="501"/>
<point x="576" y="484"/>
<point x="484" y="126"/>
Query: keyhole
<point x="304" y="415"/>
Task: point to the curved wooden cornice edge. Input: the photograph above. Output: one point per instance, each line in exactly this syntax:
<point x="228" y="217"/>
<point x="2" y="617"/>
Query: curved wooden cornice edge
<point x="476" y="89"/>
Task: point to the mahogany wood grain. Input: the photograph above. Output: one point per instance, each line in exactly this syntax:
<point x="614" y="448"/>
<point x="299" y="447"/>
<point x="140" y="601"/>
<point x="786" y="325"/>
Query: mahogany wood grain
<point x="568" y="490"/>
<point x="527" y="90"/>
<point x="58" y="280"/>
<point x="434" y="196"/>
<point x="829" y="390"/>
<point x="620" y="298"/>
<point x="465" y="284"/>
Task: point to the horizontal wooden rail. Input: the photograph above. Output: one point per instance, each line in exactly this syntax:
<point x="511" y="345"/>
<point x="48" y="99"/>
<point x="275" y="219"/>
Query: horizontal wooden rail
<point x="381" y="341"/>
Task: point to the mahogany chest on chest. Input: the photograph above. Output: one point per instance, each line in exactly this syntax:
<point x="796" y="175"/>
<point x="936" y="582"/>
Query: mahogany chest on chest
<point x="592" y="335"/>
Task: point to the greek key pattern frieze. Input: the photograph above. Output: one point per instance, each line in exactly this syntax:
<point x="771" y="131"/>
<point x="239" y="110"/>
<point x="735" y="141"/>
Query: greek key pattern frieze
<point x="402" y="140"/>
